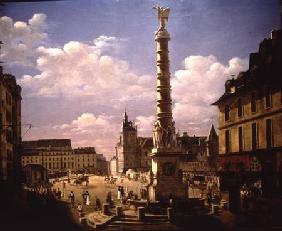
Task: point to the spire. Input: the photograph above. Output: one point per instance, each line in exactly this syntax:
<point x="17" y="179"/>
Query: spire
<point x="125" y="117"/>
<point x="212" y="134"/>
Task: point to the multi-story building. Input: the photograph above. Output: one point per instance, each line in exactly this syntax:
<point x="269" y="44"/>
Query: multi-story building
<point x="58" y="156"/>
<point x="10" y="127"/>
<point x="250" y="116"/>
<point x="86" y="159"/>
<point x="113" y="166"/>
<point x="200" y="153"/>
<point x="126" y="148"/>
<point x="103" y="166"/>
<point x="145" y="145"/>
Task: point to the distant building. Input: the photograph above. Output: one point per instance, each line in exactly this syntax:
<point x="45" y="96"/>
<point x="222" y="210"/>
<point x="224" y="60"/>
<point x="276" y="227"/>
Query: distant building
<point x="103" y="166"/>
<point x="133" y="152"/>
<point x="126" y="148"/>
<point x="86" y="159"/>
<point x="58" y="156"/>
<point x="35" y="175"/>
<point x="145" y="145"/>
<point x="10" y="127"/>
<point x="201" y="153"/>
<point x="195" y="147"/>
<point x="113" y="166"/>
<point x="250" y="116"/>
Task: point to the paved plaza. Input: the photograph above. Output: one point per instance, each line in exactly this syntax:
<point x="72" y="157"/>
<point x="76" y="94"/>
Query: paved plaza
<point x="97" y="188"/>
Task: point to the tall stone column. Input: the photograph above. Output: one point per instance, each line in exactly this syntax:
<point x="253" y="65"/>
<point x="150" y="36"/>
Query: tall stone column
<point x="164" y="111"/>
<point x="166" y="177"/>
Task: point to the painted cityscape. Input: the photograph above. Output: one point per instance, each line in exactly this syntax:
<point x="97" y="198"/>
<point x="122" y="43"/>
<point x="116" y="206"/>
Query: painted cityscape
<point x="140" y="115"/>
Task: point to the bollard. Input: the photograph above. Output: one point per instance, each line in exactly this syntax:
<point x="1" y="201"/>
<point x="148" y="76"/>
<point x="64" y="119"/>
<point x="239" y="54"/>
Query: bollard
<point x="141" y="213"/>
<point x="169" y="213"/>
<point x="106" y="209"/>
<point x="119" y="212"/>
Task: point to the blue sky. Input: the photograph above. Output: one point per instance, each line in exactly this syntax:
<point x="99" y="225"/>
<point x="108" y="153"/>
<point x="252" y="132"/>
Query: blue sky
<point x="121" y="34"/>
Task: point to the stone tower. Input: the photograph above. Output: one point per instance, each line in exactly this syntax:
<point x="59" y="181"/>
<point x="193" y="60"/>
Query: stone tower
<point x="166" y="180"/>
<point x="213" y="147"/>
<point x="126" y="149"/>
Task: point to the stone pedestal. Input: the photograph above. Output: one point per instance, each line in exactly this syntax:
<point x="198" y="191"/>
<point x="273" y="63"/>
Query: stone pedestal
<point x="141" y="213"/>
<point x="106" y="209"/>
<point x="167" y="180"/>
<point x="119" y="212"/>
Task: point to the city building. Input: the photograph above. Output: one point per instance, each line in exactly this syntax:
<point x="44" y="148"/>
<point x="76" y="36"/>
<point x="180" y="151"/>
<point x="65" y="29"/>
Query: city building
<point x="86" y="159"/>
<point x="126" y="148"/>
<point x="10" y="127"/>
<point x="145" y="145"/>
<point x="35" y="175"/>
<point x="103" y="166"/>
<point x="200" y="153"/>
<point x="197" y="151"/>
<point x="250" y="118"/>
<point x="113" y="166"/>
<point x="58" y="157"/>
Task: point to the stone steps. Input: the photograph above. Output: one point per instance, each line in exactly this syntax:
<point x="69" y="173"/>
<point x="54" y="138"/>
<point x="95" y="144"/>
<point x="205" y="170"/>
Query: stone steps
<point x="133" y="221"/>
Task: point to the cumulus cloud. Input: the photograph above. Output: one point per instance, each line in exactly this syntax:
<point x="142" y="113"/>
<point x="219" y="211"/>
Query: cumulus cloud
<point x="145" y="125"/>
<point x="80" y="69"/>
<point x="198" y="85"/>
<point x="101" y="131"/>
<point x="20" y="39"/>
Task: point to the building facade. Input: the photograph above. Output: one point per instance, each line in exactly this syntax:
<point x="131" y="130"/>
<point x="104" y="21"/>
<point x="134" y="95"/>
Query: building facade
<point x="10" y="127"/>
<point x="197" y="150"/>
<point x="86" y="159"/>
<point x="58" y="156"/>
<point x="250" y="116"/>
<point x="200" y="153"/>
<point x="126" y="148"/>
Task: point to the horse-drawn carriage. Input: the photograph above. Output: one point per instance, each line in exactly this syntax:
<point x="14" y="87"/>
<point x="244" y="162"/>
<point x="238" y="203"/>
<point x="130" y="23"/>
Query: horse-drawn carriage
<point x="81" y="179"/>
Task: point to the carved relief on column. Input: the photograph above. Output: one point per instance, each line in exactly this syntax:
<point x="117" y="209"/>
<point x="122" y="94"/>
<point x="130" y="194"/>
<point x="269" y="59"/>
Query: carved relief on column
<point x="164" y="138"/>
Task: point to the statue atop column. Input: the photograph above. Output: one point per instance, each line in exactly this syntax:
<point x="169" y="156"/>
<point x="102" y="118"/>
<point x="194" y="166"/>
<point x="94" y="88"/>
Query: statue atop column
<point x="163" y="13"/>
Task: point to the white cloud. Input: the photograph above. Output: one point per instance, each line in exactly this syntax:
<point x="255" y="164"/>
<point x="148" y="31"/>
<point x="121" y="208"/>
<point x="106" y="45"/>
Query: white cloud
<point x="101" y="131"/>
<point x="198" y="85"/>
<point x="145" y="125"/>
<point x="79" y="70"/>
<point x="20" y="39"/>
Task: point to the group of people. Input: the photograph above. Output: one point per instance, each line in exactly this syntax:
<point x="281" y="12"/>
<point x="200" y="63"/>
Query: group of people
<point x="249" y="192"/>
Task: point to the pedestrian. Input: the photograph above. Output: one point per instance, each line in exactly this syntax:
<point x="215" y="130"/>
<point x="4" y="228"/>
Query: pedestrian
<point x="170" y="199"/>
<point x="122" y="192"/>
<point x="84" y="197"/>
<point x="72" y="198"/>
<point x="87" y="198"/>
<point x="119" y="193"/>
